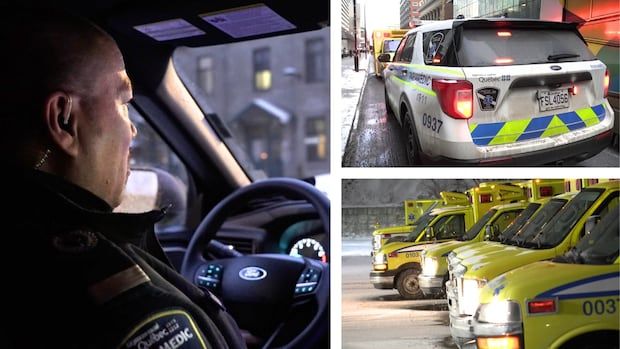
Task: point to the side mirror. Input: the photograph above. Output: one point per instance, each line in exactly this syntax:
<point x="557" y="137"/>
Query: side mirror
<point x="384" y="57"/>
<point x="430" y="233"/>
<point x="488" y="232"/>
<point x="591" y="223"/>
<point x="151" y="189"/>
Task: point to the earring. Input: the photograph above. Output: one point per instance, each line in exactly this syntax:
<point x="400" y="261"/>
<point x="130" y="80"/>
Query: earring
<point x="43" y="159"/>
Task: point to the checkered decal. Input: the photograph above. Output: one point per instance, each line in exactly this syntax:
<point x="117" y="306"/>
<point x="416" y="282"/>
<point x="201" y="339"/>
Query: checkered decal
<point x="545" y="126"/>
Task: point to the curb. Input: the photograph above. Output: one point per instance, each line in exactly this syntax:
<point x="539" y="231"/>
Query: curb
<point x="355" y="115"/>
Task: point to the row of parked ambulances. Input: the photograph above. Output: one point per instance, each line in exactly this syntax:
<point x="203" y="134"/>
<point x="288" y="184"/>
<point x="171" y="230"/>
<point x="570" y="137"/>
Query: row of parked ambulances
<point x="528" y="264"/>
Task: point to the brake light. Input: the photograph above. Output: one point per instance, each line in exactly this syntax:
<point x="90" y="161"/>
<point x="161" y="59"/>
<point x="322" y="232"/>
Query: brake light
<point x="606" y="83"/>
<point x="578" y="184"/>
<point x="393" y="254"/>
<point x="503" y="60"/>
<point x="567" y="186"/>
<point x="455" y="97"/>
<point x="573" y="90"/>
<point x="546" y="191"/>
<point x="542" y="306"/>
<point x="485" y="198"/>
<point x="504" y="34"/>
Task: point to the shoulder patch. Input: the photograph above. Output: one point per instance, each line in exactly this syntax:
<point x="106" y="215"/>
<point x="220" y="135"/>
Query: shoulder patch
<point x="170" y="329"/>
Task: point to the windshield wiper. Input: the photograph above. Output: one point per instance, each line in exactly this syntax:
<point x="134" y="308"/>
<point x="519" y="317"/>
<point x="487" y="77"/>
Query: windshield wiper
<point x="561" y="56"/>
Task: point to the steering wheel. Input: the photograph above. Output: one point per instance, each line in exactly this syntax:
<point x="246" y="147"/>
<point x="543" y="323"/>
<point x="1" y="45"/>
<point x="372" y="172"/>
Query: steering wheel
<point x="288" y="295"/>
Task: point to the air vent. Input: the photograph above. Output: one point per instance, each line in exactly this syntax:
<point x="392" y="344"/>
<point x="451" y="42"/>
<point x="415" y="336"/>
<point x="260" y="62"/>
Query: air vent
<point x="245" y="246"/>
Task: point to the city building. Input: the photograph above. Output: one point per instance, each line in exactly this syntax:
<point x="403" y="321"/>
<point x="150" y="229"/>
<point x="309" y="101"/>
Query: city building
<point x="409" y="13"/>
<point x="436" y="10"/>
<point x="271" y="93"/>
<point x="346" y="23"/>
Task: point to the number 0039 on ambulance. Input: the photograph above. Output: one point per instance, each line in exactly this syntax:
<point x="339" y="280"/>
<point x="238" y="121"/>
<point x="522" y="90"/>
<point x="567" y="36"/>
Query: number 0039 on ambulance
<point x="499" y="92"/>
<point x="570" y="302"/>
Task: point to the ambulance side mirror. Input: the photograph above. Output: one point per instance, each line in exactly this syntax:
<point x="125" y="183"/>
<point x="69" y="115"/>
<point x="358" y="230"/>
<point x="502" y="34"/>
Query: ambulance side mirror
<point x="488" y="232"/>
<point x="430" y="233"/>
<point x="384" y="57"/>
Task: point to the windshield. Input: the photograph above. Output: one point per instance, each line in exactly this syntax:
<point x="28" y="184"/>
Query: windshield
<point x="475" y="229"/>
<point x="563" y="222"/>
<point x="389" y="46"/>
<point x="268" y="99"/>
<point x="519" y="222"/>
<point x="419" y="226"/>
<point x="535" y="225"/>
<point x="601" y="246"/>
<point x="485" y="47"/>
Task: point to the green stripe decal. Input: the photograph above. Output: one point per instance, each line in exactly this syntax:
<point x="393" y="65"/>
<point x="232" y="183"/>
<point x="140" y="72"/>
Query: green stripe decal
<point x="510" y="132"/>
<point x="414" y="86"/>
<point x="556" y="127"/>
<point x="588" y="116"/>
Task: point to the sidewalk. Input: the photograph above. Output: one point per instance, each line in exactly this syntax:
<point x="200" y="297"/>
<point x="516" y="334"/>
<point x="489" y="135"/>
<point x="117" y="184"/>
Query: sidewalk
<point x="352" y="87"/>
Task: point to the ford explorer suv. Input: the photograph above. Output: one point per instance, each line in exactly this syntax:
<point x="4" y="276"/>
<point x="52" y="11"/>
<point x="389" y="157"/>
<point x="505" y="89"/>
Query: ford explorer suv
<point x="499" y="92"/>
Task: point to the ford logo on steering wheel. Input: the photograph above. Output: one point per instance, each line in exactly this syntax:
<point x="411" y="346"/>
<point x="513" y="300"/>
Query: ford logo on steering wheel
<point x="252" y="273"/>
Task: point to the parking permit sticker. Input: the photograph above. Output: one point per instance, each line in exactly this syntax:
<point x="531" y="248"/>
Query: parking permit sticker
<point x="248" y="21"/>
<point x="165" y="330"/>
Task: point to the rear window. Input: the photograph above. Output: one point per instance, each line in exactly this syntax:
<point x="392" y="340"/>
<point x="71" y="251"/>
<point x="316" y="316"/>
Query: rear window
<point x="390" y="45"/>
<point x="487" y="47"/>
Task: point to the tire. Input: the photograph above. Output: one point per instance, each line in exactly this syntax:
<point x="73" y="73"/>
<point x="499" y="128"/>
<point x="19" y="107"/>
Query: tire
<point x="388" y="109"/>
<point x="411" y="140"/>
<point x="408" y="286"/>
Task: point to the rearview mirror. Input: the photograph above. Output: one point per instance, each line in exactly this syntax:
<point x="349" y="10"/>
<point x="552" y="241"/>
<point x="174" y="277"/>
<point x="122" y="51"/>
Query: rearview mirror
<point x="384" y="57"/>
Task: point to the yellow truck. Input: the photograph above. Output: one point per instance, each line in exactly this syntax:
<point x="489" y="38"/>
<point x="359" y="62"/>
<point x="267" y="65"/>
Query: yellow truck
<point x="553" y="239"/>
<point x="414" y="209"/>
<point x="397" y="264"/>
<point x="434" y="263"/>
<point x="570" y="302"/>
<point x="385" y="41"/>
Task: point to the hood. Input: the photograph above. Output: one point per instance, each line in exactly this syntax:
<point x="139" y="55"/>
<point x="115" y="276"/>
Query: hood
<point x="477" y="248"/>
<point x="491" y="265"/>
<point x="443" y="249"/>
<point x="560" y="280"/>
<point x="401" y="229"/>
<point x="406" y="246"/>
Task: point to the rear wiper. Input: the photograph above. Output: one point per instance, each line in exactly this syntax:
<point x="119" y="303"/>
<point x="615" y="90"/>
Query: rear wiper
<point x="562" y="56"/>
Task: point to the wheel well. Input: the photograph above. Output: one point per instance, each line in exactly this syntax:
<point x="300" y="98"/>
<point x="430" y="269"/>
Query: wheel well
<point x="401" y="111"/>
<point x="596" y="338"/>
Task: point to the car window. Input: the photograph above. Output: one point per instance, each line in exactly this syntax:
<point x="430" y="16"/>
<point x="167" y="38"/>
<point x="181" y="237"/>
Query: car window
<point x="390" y="45"/>
<point x="450" y="227"/>
<point x="407" y="53"/>
<point x="433" y="43"/>
<point x="269" y="97"/>
<point x="167" y="175"/>
<point x="487" y="47"/>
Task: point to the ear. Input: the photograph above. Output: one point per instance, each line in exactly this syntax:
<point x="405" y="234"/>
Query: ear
<point x="60" y="122"/>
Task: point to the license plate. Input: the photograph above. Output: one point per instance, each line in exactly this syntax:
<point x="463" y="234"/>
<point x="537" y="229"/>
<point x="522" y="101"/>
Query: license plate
<point x="552" y="99"/>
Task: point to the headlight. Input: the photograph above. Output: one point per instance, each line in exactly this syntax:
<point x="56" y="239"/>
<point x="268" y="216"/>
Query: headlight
<point x="379" y="261"/>
<point x="500" y="312"/>
<point x="429" y="266"/>
<point x="471" y="295"/>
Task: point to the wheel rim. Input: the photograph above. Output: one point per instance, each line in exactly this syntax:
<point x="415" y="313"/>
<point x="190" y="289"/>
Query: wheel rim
<point x="411" y="284"/>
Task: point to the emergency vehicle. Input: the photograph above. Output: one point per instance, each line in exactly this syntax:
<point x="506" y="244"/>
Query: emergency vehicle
<point x="385" y="42"/>
<point x="414" y="209"/>
<point x="574" y="221"/>
<point x="495" y="91"/>
<point x="434" y="263"/>
<point x="397" y="264"/>
<point x="570" y="302"/>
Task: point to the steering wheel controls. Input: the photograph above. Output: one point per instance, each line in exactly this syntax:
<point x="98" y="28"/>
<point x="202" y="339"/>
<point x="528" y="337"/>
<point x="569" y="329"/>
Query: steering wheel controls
<point x="210" y="276"/>
<point x="307" y="281"/>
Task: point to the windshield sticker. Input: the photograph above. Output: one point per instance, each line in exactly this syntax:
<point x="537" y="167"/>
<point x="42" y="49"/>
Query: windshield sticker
<point x="487" y="97"/>
<point x="165" y="330"/>
<point x="248" y="21"/>
<point x="169" y="30"/>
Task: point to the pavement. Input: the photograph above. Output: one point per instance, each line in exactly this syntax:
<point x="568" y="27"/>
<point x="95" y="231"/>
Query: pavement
<point x="352" y="87"/>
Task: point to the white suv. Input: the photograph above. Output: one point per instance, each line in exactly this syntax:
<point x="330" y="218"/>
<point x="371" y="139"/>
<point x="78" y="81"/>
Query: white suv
<point x="498" y="92"/>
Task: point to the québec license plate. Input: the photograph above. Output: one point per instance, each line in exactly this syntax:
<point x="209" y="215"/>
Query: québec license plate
<point x="552" y="99"/>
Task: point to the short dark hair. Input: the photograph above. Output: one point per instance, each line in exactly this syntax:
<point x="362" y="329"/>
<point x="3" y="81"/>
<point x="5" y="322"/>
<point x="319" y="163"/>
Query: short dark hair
<point x="45" y="51"/>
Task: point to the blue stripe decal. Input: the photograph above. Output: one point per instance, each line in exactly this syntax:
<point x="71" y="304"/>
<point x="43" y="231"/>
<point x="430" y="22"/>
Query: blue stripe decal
<point x="590" y="294"/>
<point x="484" y="133"/>
<point x="572" y="120"/>
<point x="600" y="111"/>
<point x="552" y="292"/>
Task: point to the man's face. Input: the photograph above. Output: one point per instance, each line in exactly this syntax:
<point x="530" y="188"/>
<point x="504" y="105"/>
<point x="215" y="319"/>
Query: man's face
<point x="106" y="129"/>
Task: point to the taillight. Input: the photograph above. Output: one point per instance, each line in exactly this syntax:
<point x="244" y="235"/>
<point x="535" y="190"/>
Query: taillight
<point x="541" y="306"/>
<point x="567" y="185"/>
<point x="606" y="83"/>
<point x="546" y="191"/>
<point x="503" y="60"/>
<point x="578" y="184"/>
<point x="504" y="34"/>
<point x="455" y="97"/>
<point x="573" y="90"/>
